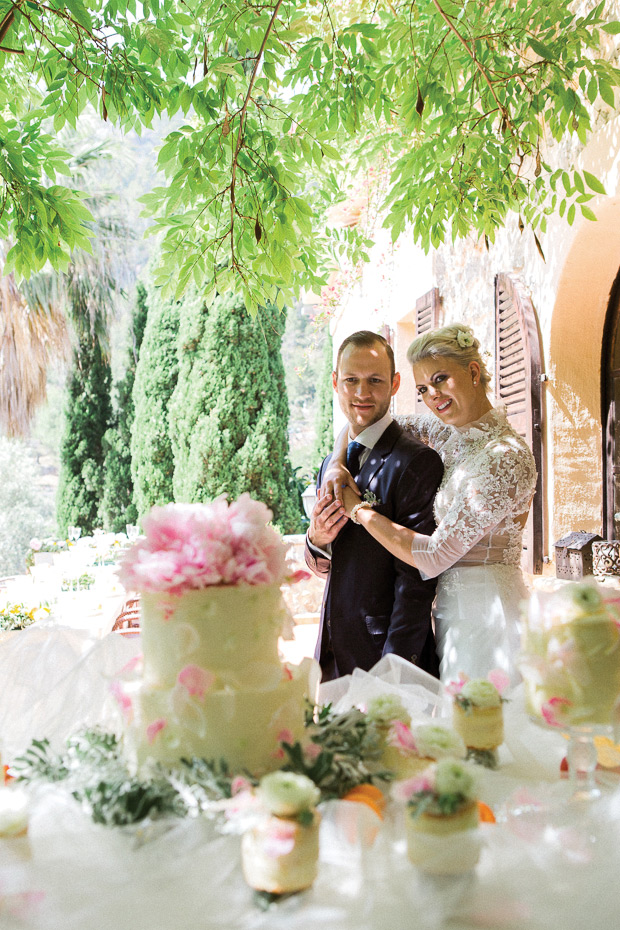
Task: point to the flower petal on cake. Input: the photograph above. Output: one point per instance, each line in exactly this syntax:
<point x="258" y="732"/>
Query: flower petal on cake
<point x="187" y="712"/>
<point x="454" y="687"/>
<point x="123" y="700"/>
<point x="154" y="728"/>
<point x="196" y="680"/>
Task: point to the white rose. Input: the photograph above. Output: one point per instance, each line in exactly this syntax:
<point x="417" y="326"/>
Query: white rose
<point x="287" y="794"/>
<point x="452" y="777"/>
<point x="385" y="708"/>
<point x="435" y="742"/>
<point x="481" y="693"/>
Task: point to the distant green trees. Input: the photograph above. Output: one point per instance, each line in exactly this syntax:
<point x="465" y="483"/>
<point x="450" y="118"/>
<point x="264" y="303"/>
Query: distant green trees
<point x="324" y="423"/>
<point x="118" y="507"/>
<point x="87" y="417"/>
<point x="229" y="411"/>
<point x="152" y="463"/>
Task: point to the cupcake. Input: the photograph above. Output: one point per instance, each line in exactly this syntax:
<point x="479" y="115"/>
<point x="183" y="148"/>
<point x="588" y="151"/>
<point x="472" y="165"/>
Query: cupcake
<point x="442" y="818"/>
<point x="478" y="718"/>
<point x="280" y="853"/>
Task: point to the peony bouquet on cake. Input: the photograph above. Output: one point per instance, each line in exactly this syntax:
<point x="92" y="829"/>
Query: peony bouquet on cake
<point x="193" y="546"/>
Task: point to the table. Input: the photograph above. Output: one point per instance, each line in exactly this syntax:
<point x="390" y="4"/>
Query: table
<point x="545" y="865"/>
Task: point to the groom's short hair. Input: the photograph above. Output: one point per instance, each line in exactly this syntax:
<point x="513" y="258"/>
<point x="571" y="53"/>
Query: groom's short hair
<point x="365" y="339"/>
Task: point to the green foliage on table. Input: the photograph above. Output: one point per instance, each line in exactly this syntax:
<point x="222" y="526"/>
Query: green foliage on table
<point x="94" y="770"/>
<point x="325" y="407"/>
<point x="118" y="507"/>
<point x="229" y="413"/>
<point x="277" y="98"/>
<point x="82" y="455"/>
<point x="152" y="463"/>
<point x="350" y="748"/>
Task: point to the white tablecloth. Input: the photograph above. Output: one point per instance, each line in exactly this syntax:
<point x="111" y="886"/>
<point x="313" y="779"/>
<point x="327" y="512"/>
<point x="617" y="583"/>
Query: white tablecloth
<point x="546" y="864"/>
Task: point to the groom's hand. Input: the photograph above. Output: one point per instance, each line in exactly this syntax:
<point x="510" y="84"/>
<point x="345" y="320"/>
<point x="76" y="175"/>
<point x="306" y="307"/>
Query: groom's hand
<point x="328" y="518"/>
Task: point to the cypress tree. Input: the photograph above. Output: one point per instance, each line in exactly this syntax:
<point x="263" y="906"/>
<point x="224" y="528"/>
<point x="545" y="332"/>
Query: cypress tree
<point x="118" y="506"/>
<point x="229" y="413"/>
<point x="87" y="417"/>
<point x="152" y="463"/>
<point x="324" y="420"/>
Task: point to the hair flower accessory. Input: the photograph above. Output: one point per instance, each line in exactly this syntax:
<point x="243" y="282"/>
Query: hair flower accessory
<point x="464" y="338"/>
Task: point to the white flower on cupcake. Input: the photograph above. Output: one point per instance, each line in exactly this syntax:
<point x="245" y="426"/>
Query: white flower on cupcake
<point x="287" y="794"/>
<point x="436" y="742"/>
<point x="384" y="709"/>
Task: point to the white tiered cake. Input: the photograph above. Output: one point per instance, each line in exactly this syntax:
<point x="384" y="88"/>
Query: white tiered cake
<point x="213" y="685"/>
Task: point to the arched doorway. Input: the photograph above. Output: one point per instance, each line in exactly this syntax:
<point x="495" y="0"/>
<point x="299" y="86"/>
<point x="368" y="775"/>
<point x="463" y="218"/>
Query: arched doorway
<point x="610" y="406"/>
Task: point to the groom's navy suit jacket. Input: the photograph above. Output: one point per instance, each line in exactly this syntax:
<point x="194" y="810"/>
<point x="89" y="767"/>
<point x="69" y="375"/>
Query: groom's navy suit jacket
<point x="374" y="604"/>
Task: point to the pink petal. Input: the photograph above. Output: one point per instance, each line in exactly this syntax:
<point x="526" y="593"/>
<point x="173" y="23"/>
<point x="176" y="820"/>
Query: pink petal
<point x="499" y="678"/>
<point x="285" y="736"/>
<point x="552" y="710"/>
<point x="153" y="729"/>
<point x="402" y="737"/>
<point x="123" y="700"/>
<point x="196" y="680"/>
<point x="453" y="687"/>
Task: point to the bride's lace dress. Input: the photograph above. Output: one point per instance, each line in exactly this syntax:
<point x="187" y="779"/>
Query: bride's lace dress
<point x="480" y="510"/>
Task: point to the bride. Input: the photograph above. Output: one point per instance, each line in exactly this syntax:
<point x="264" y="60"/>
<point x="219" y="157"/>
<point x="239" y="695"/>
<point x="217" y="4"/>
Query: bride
<point x="480" y="508"/>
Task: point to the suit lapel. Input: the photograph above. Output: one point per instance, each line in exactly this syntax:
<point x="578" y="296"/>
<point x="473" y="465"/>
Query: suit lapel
<point x="379" y="454"/>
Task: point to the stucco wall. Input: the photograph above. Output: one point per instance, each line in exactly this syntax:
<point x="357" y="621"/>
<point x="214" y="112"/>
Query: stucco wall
<point x="570" y="293"/>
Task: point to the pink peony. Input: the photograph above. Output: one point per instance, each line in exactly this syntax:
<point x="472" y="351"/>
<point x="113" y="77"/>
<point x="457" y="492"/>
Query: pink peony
<point x="192" y="546"/>
<point x="552" y="710"/>
<point x="196" y="680"/>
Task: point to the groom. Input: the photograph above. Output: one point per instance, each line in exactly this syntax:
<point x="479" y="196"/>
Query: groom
<point x="373" y="603"/>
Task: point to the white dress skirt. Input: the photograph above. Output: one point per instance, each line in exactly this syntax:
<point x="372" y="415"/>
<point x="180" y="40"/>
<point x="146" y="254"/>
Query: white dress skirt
<point x="477" y="620"/>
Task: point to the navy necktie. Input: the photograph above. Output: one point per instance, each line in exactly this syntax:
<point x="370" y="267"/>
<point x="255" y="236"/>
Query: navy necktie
<point x="354" y="452"/>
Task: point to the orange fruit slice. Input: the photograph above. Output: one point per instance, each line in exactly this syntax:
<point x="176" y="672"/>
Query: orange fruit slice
<point x="369" y="795"/>
<point x="485" y="813"/>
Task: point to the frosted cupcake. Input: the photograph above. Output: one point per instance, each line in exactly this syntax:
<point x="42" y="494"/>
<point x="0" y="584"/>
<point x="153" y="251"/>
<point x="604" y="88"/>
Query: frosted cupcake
<point x="280" y="853"/>
<point x="477" y="716"/>
<point x="409" y="750"/>
<point x="442" y="818"/>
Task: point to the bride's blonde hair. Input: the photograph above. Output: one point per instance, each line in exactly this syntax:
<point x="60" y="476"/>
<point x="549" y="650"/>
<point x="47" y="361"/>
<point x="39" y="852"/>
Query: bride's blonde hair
<point x="456" y="341"/>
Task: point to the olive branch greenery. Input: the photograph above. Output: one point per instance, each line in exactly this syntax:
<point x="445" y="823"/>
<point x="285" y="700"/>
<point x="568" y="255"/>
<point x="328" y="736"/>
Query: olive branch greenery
<point x="95" y="772"/>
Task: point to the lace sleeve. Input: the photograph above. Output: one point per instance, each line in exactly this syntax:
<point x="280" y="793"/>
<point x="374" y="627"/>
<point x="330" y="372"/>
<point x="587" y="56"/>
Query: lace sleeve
<point x="425" y="427"/>
<point x="501" y="484"/>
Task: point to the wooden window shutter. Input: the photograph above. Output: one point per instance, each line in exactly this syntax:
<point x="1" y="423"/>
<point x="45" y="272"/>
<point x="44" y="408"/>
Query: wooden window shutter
<point x="518" y="386"/>
<point x="427" y="310"/>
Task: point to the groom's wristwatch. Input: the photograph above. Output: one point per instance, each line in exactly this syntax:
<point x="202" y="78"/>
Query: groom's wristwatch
<point x="363" y="505"/>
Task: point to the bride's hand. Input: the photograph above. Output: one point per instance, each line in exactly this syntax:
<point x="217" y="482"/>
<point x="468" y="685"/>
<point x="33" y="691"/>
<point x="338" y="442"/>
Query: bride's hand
<point x="336" y="479"/>
<point x="349" y="499"/>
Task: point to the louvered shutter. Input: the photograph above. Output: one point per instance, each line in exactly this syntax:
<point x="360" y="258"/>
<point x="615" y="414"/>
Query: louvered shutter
<point x="427" y="310"/>
<point x="518" y="386"/>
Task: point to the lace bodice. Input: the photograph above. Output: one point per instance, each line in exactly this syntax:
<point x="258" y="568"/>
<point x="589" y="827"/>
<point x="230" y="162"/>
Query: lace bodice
<point x="482" y="503"/>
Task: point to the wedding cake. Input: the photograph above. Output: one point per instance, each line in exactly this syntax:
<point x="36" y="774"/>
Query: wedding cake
<point x="212" y="684"/>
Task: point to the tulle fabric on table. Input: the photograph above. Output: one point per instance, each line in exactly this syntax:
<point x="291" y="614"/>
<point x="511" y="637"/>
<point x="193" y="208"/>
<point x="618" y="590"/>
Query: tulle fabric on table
<point x="56" y="681"/>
